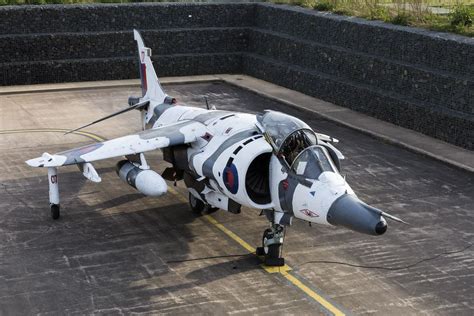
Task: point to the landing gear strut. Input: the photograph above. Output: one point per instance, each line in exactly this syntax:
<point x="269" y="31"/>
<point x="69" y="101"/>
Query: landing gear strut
<point x="272" y="244"/>
<point x="53" y="192"/>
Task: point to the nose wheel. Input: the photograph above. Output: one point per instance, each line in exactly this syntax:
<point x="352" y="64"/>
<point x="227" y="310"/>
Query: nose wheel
<point x="272" y="244"/>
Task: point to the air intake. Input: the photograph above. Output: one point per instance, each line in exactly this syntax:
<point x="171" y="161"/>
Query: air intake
<point x="257" y="182"/>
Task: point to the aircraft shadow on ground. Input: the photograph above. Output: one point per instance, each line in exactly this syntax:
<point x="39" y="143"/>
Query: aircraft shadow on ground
<point x="88" y="249"/>
<point x="211" y="273"/>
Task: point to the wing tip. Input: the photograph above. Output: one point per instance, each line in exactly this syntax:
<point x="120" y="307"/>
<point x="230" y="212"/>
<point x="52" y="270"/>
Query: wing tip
<point x="32" y="162"/>
<point x="46" y="160"/>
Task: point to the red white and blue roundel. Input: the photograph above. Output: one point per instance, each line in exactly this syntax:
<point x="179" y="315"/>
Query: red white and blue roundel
<point x="231" y="179"/>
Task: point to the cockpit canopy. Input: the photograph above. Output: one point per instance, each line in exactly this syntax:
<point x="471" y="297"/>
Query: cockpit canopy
<point x="290" y="136"/>
<point x="313" y="161"/>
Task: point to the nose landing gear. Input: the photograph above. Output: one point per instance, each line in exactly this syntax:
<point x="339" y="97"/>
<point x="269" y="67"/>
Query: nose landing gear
<point x="272" y="245"/>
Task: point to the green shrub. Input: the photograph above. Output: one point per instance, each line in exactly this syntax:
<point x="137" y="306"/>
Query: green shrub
<point x="378" y="13"/>
<point x="461" y="16"/>
<point x="35" y="1"/>
<point x="342" y="11"/>
<point x="324" y="6"/>
<point x="401" y="19"/>
<point x="307" y="3"/>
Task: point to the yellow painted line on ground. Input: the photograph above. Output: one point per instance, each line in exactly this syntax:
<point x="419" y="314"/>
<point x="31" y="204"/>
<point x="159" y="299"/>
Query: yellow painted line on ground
<point x="311" y="293"/>
<point x="229" y="233"/>
<point x="284" y="271"/>
<point x="244" y="244"/>
<point x="53" y="130"/>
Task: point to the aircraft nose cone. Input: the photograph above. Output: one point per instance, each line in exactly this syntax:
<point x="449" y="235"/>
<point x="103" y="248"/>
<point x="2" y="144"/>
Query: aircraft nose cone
<point x="352" y="213"/>
<point x="381" y="227"/>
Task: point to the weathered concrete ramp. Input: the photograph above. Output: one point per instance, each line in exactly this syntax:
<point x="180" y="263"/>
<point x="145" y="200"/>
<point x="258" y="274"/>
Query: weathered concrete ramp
<point x="116" y="251"/>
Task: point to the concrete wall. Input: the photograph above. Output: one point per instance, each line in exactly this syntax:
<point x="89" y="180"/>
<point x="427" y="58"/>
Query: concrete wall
<point x="414" y="78"/>
<point x="95" y="42"/>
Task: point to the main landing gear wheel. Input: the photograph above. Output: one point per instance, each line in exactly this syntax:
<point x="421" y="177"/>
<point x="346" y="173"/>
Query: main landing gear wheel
<point x="197" y="206"/>
<point x="271" y="251"/>
<point x="55" y="212"/>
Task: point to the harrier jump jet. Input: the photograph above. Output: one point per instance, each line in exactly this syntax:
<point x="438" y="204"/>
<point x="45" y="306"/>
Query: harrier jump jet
<point x="271" y="161"/>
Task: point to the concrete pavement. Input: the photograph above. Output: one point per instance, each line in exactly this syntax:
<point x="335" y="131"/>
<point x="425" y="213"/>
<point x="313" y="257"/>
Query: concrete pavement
<point x="115" y="251"/>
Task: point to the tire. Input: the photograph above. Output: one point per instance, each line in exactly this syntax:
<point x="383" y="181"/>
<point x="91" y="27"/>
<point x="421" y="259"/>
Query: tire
<point x="55" y="212"/>
<point x="259" y="251"/>
<point x="197" y="206"/>
<point x="272" y="251"/>
<point x="274" y="262"/>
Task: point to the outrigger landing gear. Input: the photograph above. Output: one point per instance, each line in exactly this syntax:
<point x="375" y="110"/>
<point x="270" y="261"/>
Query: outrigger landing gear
<point x="272" y="244"/>
<point x="55" y="212"/>
<point x="198" y="207"/>
<point x="54" y="192"/>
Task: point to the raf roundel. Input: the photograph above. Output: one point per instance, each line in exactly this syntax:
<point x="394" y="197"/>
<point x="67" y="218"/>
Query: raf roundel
<point x="231" y="179"/>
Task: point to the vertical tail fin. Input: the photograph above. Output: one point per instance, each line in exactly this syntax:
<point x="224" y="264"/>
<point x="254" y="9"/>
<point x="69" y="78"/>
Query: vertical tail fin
<point x="151" y="87"/>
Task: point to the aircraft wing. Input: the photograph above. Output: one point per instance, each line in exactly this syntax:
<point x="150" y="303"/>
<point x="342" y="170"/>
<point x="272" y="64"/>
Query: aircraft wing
<point x="183" y="132"/>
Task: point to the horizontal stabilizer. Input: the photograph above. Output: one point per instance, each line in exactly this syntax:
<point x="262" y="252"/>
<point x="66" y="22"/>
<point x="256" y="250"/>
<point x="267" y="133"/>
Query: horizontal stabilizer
<point x="137" y="106"/>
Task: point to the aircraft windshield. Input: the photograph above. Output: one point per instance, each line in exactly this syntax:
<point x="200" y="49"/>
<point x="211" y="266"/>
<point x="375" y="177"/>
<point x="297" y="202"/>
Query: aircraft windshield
<point x="279" y="126"/>
<point x="312" y="162"/>
<point x="295" y="143"/>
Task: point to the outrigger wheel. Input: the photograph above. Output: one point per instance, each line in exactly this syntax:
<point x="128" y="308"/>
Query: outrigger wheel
<point x="271" y="246"/>
<point x="55" y="212"/>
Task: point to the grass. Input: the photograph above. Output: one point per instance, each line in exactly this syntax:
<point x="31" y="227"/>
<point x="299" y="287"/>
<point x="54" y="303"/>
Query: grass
<point x="401" y="12"/>
<point x="27" y="2"/>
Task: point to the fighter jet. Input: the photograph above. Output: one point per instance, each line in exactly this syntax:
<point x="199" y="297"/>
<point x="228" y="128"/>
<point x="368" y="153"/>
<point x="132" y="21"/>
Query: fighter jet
<point x="272" y="162"/>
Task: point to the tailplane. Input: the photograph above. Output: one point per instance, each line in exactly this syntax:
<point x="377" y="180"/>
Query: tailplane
<point x="151" y="88"/>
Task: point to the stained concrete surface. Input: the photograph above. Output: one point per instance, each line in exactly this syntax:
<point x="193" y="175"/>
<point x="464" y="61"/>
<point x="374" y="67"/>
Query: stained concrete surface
<point x="110" y="252"/>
